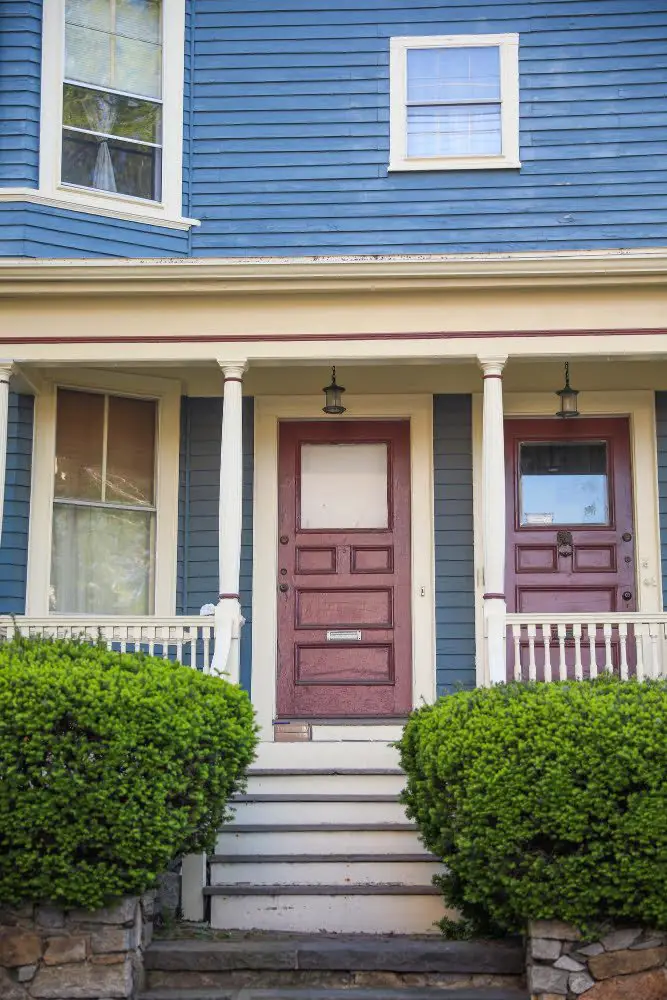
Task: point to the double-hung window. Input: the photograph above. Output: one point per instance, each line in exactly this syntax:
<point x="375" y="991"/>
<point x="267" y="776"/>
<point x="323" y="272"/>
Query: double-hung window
<point x="104" y="504"/>
<point x="454" y="102"/>
<point x="112" y="106"/>
<point x="112" y="96"/>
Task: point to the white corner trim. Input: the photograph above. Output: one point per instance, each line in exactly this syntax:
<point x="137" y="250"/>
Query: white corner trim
<point x="508" y="46"/>
<point x="167" y="393"/>
<point x="639" y="406"/>
<point x="94" y="207"/>
<point x="50" y="140"/>
<point x="418" y="409"/>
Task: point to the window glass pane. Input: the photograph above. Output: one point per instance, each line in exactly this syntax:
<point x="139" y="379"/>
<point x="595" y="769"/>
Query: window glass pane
<point x="131" y="451"/>
<point x="88" y="55"/>
<point x="442" y="130"/>
<point x="125" y="56"/>
<point x="89" y="13"/>
<point x="344" y="486"/>
<point x="138" y="67"/>
<point x="79" y="445"/>
<point x="564" y="483"/>
<point x="454" y="74"/>
<point x="101" y="561"/>
<point x="111" y="165"/>
<point x="139" y="19"/>
<point x="126" y="117"/>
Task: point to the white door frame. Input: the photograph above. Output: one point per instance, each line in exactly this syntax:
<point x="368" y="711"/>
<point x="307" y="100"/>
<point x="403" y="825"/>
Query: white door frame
<point x="269" y="410"/>
<point x="639" y="406"/>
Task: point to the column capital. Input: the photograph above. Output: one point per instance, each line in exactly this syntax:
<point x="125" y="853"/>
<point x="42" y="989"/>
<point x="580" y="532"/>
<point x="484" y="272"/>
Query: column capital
<point x="233" y="371"/>
<point x="492" y="365"/>
<point x="6" y="370"/>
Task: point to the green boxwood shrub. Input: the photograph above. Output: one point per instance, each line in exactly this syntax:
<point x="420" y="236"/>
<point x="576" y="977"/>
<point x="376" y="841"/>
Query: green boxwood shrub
<point x="545" y="801"/>
<point x="111" y="765"/>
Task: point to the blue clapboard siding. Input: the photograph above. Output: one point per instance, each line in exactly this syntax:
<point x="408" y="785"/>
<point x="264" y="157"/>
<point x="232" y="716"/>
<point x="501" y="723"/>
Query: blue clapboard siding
<point x="198" y="513"/>
<point x="454" y="566"/>
<point x="291" y="110"/>
<point x="20" y="55"/>
<point x="286" y="133"/>
<point x="661" y="434"/>
<point x="14" y="546"/>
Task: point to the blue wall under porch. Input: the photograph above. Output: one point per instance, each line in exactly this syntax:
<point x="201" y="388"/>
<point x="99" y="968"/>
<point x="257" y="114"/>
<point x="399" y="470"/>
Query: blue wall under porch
<point x="14" y="546"/>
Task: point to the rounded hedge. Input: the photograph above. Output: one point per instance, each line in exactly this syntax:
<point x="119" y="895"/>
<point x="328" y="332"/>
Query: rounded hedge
<point x="545" y="801"/>
<point x="112" y="765"/>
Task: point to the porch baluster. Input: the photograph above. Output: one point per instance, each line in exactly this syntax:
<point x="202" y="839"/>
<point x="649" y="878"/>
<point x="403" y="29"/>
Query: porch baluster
<point x="546" y="639"/>
<point x="592" y="629"/>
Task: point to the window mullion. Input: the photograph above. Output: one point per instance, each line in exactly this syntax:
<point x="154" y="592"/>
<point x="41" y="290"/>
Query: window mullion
<point x="105" y="435"/>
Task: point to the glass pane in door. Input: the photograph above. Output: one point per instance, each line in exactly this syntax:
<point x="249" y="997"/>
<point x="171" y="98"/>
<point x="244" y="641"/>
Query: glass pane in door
<point x="344" y="486"/>
<point x="563" y="483"/>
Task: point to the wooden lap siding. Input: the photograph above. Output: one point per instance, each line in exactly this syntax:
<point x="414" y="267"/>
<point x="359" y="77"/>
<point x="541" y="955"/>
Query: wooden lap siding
<point x="199" y="491"/>
<point x="286" y="134"/>
<point x="454" y="554"/>
<point x="661" y="436"/>
<point x="20" y="67"/>
<point x="14" y="546"/>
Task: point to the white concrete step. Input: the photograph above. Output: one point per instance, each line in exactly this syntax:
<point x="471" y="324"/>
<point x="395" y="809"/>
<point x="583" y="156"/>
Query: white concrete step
<point x="335" y="870"/>
<point x="319" y="839"/>
<point x="325" y="783"/>
<point x="301" y="809"/>
<point x="386" y="911"/>
<point x="325" y="754"/>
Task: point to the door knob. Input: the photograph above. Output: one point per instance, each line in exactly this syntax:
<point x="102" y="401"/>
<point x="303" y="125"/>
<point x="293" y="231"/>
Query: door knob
<point x="627" y="596"/>
<point x="283" y="588"/>
<point x="626" y="536"/>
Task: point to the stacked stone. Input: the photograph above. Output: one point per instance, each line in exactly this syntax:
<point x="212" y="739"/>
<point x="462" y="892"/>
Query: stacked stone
<point x="47" y="953"/>
<point x="624" y="964"/>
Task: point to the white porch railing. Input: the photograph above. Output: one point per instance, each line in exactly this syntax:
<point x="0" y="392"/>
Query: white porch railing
<point x="553" y="647"/>
<point x="186" y="639"/>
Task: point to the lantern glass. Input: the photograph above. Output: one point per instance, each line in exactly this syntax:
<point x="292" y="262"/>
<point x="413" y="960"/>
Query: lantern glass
<point x="333" y="402"/>
<point x="568" y="397"/>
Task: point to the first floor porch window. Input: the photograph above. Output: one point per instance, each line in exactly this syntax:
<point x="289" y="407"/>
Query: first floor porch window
<point x="103" y="540"/>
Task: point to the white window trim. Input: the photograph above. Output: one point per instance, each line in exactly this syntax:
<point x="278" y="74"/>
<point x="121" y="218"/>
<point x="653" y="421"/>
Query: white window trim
<point x="167" y="393"/>
<point x="508" y="45"/>
<point x="52" y="190"/>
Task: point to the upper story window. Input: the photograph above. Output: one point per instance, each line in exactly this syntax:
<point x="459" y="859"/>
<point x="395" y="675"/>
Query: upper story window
<point x="112" y="107"/>
<point x="112" y="96"/>
<point x="454" y="102"/>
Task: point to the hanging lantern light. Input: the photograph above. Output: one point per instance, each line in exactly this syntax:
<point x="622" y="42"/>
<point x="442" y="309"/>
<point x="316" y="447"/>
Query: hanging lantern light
<point x="332" y="395"/>
<point x="568" y="397"/>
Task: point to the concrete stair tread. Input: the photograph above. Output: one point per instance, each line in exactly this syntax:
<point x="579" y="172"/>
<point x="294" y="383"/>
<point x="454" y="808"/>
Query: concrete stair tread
<point x="316" y="827"/>
<point x="311" y="797"/>
<point x="315" y="772"/>
<point x="240" y="859"/>
<point x="338" y="889"/>
<point x="338" y="952"/>
<point x="356" y="993"/>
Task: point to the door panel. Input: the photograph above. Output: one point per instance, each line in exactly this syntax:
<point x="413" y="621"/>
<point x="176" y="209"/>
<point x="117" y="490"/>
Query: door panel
<point x="570" y="532"/>
<point x="344" y="622"/>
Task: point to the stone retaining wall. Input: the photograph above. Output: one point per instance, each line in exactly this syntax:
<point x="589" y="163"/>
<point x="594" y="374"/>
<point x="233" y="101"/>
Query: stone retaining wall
<point x="624" y="964"/>
<point x="47" y="953"/>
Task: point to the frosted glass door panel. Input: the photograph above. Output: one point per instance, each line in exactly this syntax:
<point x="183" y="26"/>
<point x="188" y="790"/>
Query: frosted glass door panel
<point x="344" y="486"/>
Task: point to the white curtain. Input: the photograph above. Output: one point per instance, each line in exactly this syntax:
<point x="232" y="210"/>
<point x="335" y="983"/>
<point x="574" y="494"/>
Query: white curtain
<point x="101" y="115"/>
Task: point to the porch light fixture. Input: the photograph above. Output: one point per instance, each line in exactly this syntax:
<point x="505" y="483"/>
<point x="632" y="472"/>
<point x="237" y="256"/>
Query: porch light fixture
<point x="568" y="397"/>
<point x="332" y="395"/>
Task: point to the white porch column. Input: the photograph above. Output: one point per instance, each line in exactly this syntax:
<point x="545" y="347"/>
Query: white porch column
<point x="493" y="513"/>
<point x="5" y="374"/>
<point x="228" y="612"/>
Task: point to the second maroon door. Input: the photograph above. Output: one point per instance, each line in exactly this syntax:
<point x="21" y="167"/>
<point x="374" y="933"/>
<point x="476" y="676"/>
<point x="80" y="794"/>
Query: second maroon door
<point x="343" y="587"/>
<point x="570" y="533"/>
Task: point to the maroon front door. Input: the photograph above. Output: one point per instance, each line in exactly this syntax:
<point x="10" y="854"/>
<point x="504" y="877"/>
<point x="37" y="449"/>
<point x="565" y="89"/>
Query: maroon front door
<point x="570" y="534"/>
<point x="343" y="587"/>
